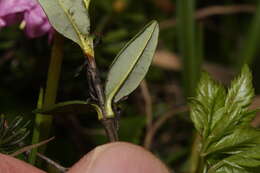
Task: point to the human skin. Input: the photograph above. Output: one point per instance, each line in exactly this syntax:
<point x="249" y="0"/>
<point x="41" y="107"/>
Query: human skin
<point x="118" y="157"/>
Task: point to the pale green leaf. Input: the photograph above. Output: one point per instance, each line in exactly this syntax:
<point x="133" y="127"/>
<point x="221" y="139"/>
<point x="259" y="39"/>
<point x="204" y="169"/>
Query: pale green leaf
<point x="131" y="64"/>
<point x="70" y="18"/>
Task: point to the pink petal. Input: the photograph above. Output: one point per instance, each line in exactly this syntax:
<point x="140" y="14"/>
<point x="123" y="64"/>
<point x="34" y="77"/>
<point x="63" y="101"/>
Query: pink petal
<point x="8" y="7"/>
<point x="36" y="22"/>
<point x="12" y="19"/>
<point x="2" y="23"/>
<point x="13" y="11"/>
<point x="51" y="35"/>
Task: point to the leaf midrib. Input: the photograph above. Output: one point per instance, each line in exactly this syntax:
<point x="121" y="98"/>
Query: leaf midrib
<point x="78" y="33"/>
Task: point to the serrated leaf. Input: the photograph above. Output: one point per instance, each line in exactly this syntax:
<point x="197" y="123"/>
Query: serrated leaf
<point x="249" y="116"/>
<point x="70" y="18"/>
<point x="231" y="169"/>
<point x="248" y="159"/>
<point x="238" y="98"/>
<point x="229" y="144"/>
<point x="241" y="91"/>
<point x="69" y="107"/>
<point x="197" y="115"/>
<point x="206" y="107"/>
<point x="131" y="64"/>
<point x="242" y="162"/>
<point x="239" y="140"/>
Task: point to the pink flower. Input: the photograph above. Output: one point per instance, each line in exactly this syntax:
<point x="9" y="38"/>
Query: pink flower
<point x="29" y="13"/>
<point x="2" y="23"/>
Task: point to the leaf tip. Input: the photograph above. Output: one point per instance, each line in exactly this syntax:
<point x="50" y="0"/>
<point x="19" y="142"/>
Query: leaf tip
<point x="155" y="24"/>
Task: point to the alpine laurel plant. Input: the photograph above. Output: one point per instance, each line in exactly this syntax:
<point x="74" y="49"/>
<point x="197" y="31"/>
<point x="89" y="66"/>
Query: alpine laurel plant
<point x="70" y="18"/>
<point x="222" y="118"/>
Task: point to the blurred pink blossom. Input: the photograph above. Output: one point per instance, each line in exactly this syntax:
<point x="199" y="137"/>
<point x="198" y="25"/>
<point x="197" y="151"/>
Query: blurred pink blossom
<point x="27" y="12"/>
<point x="2" y="22"/>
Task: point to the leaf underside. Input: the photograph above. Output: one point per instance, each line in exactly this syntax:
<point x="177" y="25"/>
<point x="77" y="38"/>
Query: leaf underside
<point x="132" y="63"/>
<point x="69" y="17"/>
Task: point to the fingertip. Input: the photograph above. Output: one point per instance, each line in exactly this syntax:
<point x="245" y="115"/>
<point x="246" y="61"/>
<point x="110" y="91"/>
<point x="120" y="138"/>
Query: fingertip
<point x="12" y="165"/>
<point x="119" y="157"/>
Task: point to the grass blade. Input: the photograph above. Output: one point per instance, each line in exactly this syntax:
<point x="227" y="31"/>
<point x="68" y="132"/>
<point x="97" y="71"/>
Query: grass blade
<point x="250" y="46"/>
<point x="187" y="44"/>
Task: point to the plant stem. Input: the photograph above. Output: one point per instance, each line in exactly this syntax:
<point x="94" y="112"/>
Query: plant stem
<point x="110" y="128"/>
<point x="97" y="93"/>
<point x="36" y="132"/>
<point x="195" y="157"/>
<point x="52" y="83"/>
<point x="43" y="122"/>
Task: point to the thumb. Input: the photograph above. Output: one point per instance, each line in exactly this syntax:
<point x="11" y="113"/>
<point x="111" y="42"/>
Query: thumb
<point x="119" y="157"/>
<point x="11" y="165"/>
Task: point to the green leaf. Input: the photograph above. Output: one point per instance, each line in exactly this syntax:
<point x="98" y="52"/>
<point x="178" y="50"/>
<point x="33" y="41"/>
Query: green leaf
<point x="239" y="96"/>
<point x="239" y="140"/>
<point x="241" y="92"/>
<point x="69" y="107"/>
<point x="249" y="116"/>
<point x="70" y="18"/>
<point x="231" y="169"/>
<point x="198" y="115"/>
<point x="242" y="162"/>
<point x="206" y="108"/>
<point x="131" y="65"/>
<point x="248" y="159"/>
<point x="229" y="144"/>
